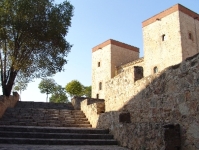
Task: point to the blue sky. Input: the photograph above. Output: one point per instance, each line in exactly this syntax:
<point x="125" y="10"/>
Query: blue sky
<point x="96" y="21"/>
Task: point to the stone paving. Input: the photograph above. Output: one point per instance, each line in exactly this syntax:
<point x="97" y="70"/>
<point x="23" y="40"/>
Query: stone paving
<point x="57" y="147"/>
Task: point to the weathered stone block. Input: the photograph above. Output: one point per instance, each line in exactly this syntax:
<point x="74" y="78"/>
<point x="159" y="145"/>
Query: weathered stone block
<point x="125" y="117"/>
<point x="138" y="73"/>
<point x="172" y="137"/>
<point x="76" y="102"/>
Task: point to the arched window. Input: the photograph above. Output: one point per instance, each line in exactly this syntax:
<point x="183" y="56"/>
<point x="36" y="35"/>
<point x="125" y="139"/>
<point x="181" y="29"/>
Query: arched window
<point x="155" y="69"/>
<point x="98" y="64"/>
<point x="97" y="96"/>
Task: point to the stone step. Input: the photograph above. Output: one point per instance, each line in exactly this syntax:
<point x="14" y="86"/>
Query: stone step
<point x="44" y="117"/>
<point x="16" y="111"/>
<point x="38" y="141"/>
<point x="44" y="105"/>
<point x="42" y="110"/>
<point x="38" y="119"/>
<point x="48" y="124"/>
<point x="35" y="118"/>
<point x="54" y="135"/>
<point x="44" y="121"/>
<point x="53" y="129"/>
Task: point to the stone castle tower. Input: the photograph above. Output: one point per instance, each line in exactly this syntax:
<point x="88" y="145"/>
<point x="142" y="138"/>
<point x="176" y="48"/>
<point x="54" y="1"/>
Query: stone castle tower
<point x="105" y="57"/>
<point x="169" y="38"/>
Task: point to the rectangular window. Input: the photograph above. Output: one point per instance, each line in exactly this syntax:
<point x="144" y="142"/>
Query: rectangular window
<point x="100" y="86"/>
<point x="98" y="64"/>
<point x="163" y="37"/>
<point x="190" y="36"/>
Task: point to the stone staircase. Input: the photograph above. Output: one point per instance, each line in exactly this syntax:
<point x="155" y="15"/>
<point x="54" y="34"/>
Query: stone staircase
<point x="49" y="124"/>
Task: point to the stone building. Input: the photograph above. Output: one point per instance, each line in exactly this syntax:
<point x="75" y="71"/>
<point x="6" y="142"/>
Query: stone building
<point x="169" y="38"/>
<point x="105" y="58"/>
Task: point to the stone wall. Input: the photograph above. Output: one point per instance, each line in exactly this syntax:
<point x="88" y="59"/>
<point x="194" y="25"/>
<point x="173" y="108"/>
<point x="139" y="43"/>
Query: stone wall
<point x="189" y="25"/>
<point x="134" y="135"/>
<point x="158" y="52"/>
<point x="76" y="102"/>
<point x="170" y="97"/>
<point x="101" y="69"/>
<point x="92" y="108"/>
<point x="6" y="102"/>
<point x="121" y="87"/>
<point x="121" y="68"/>
<point x="170" y="37"/>
<point x="105" y="58"/>
<point x="120" y="56"/>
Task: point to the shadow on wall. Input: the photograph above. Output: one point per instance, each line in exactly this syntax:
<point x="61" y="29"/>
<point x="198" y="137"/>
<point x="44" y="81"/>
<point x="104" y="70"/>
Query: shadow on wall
<point x="168" y="100"/>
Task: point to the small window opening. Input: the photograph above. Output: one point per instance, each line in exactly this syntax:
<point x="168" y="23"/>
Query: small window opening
<point x="155" y="69"/>
<point x="98" y="64"/>
<point x="97" y="96"/>
<point x="163" y="37"/>
<point x="100" y="86"/>
<point x="190" y="36"/>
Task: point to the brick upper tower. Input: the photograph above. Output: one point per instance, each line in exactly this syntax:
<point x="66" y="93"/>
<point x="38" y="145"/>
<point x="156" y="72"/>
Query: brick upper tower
<point x="169" y="38"/>
<point x="105" y="57"/>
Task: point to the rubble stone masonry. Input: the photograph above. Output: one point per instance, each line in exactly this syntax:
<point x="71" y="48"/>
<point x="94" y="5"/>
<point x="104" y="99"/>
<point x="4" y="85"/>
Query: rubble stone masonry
<point x="169" y="97"/>
<point x="172" y="96"/>
<point x="8" y="102"/>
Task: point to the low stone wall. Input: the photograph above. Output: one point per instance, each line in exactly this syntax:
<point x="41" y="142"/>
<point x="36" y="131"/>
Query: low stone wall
<point x="92" y="108"/>
<point x="134" y="135"/>
<point x="8" y="102"/>
<point x="76" y="101"/>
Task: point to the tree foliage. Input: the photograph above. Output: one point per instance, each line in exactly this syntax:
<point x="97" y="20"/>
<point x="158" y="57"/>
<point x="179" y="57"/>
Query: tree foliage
<point x="59" y="95"/>
<point x="20" y="86"/>
<point x="47" y="86"/>
<point x="74" y="88"/>
<point x="32" y="39"/>
<point x="87" y="91"/>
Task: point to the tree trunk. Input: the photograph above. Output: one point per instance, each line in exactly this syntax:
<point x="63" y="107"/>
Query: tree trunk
<point x="20" y="96"/>
<point x="7" y="88"/>
<point x="46" y="98"/>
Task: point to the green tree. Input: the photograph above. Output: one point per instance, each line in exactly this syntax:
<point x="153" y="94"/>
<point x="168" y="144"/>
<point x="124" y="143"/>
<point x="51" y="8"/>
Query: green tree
<point x="59" y="95"/>
<point x="87" y="91"/>
<point x="47" y="86"/>
<point x="32" y="39"/>
<point x="74" y="88"/>
<point x="20" y="86"/>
